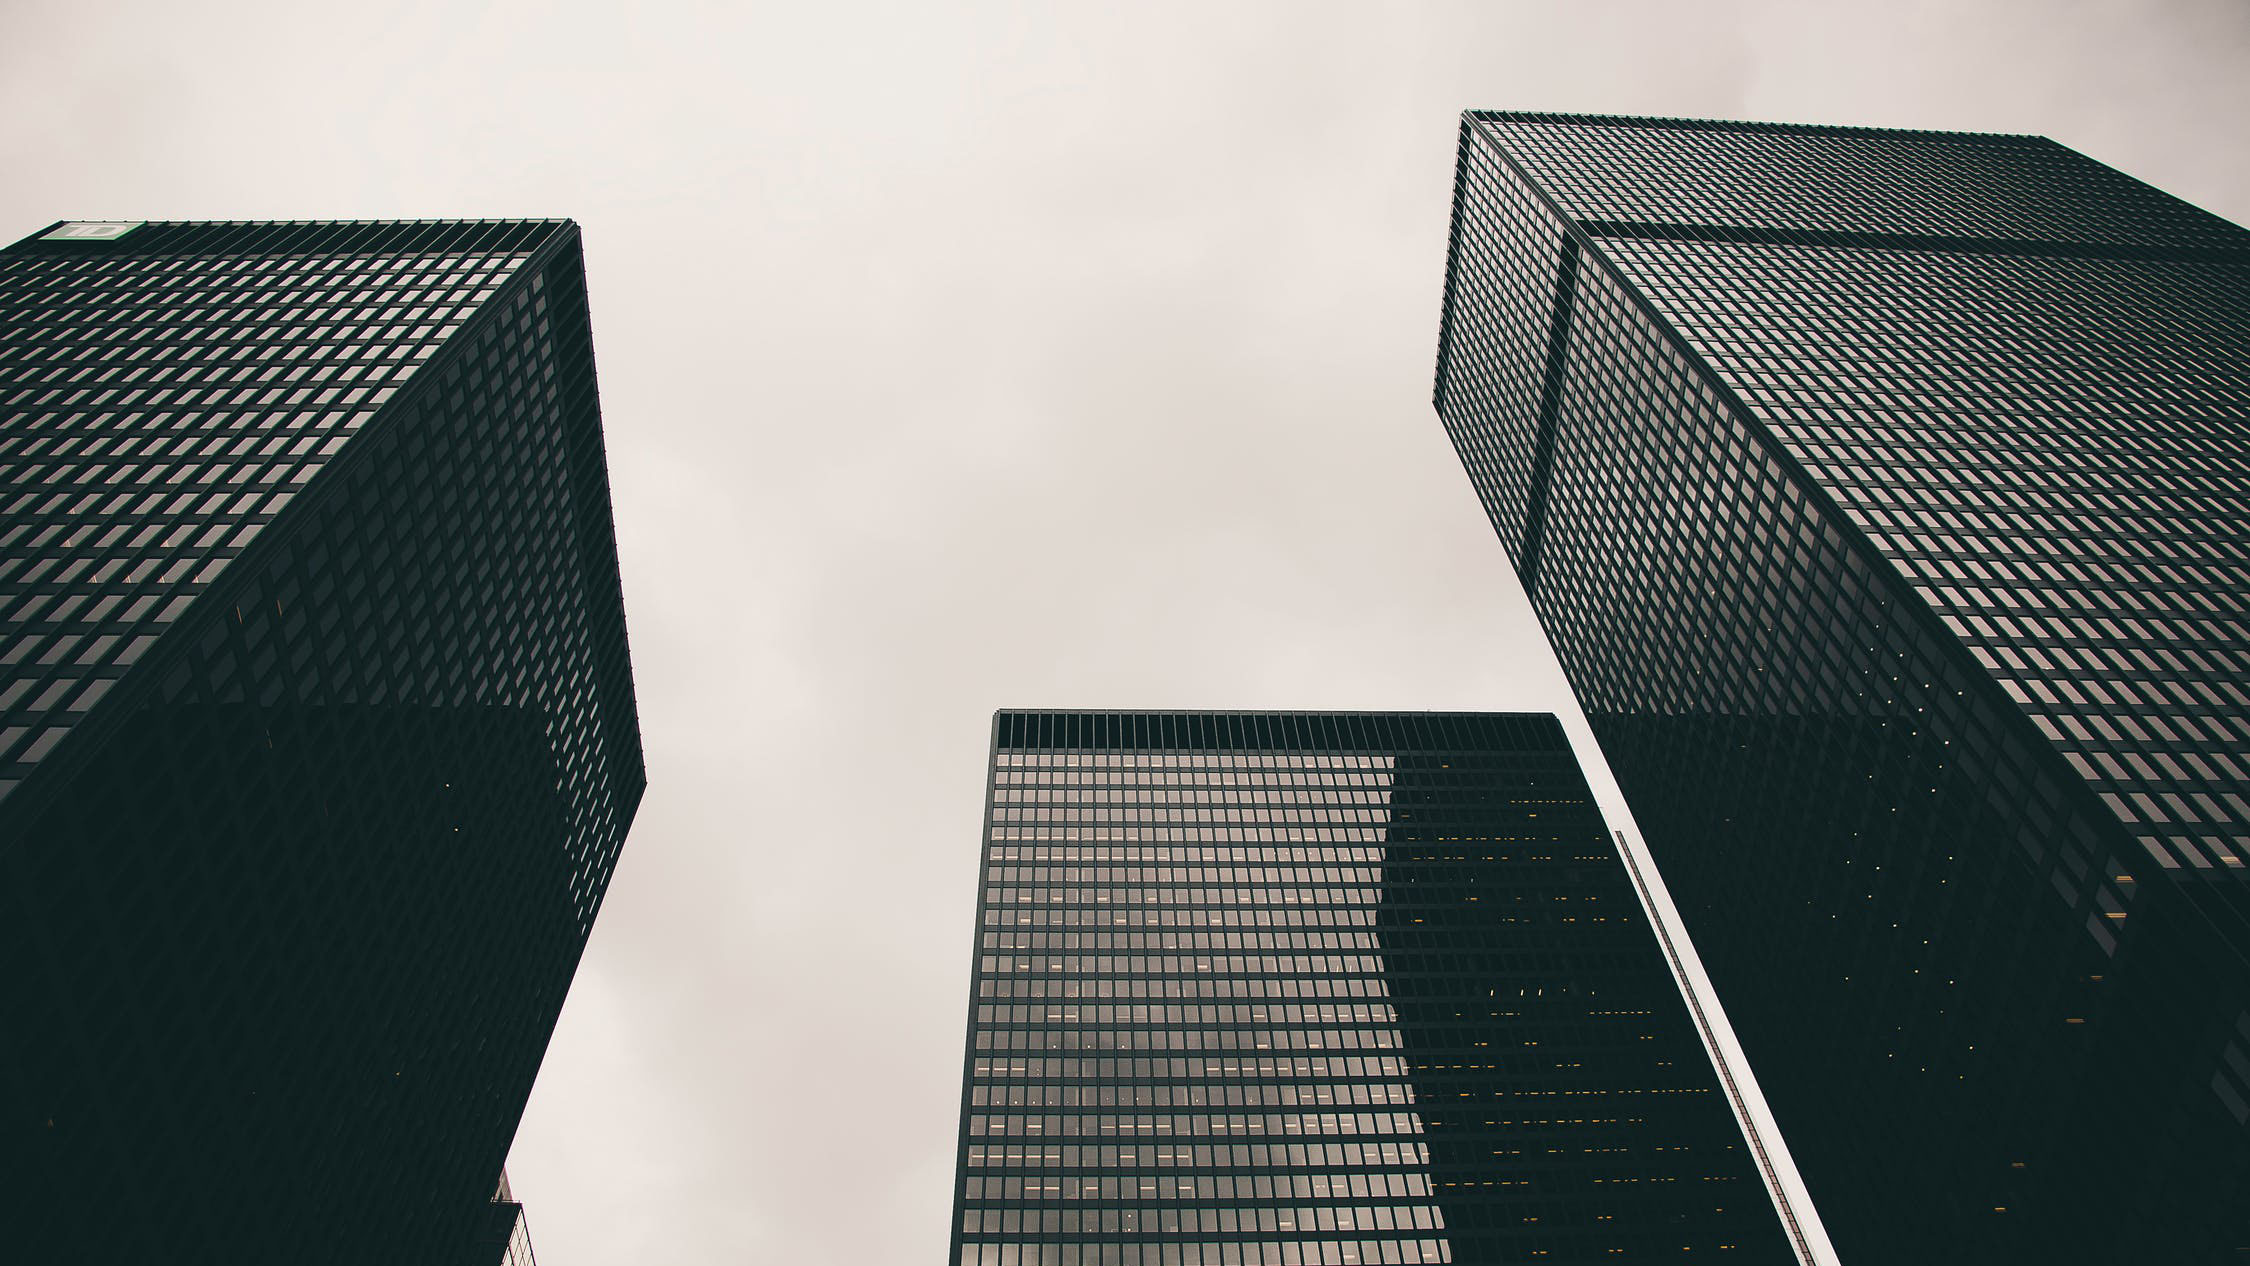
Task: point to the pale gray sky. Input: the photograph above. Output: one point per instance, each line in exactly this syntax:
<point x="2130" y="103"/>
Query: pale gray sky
<point x="961" y="356"/>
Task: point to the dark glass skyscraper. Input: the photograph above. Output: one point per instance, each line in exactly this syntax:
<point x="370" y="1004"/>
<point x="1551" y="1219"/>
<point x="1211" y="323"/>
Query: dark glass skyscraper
<point x="504" y="1239"/>
<point x="317" y="732"/>
<point x="1328" y="988"/>
<point x="1884" y="497"/>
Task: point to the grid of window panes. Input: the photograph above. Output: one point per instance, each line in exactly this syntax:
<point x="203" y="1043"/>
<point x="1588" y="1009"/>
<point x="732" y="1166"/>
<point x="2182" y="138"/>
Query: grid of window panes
<point x="162" y="397"/>
<point x="1977" y="948"/>
<point x="507" y="1241"/>
<point x="293" y="911"/>
<point x="1808" y="180"/>
<point x="2038" y="413"/>
<point x="2053" y="452"/>
<point x="1306" y="988"/>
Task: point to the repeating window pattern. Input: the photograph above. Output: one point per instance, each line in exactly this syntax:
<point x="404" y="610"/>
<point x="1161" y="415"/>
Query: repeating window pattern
<point x="507" y="1238"/>
<point x="1311" y="988"/>
<point x="2052" y="452"/>
<point x="1886" y="563"/>
<point x="162" y="398"/>
<point x="2038" y="414"/>
<point x="293" y="911"/>
<point x="1500" y="320"/>
<point x="1806" y="180"/>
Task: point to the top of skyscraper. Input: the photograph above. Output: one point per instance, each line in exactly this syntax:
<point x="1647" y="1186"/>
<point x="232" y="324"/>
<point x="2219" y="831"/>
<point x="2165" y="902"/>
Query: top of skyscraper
<point x="270" y="237"/>
<point x="167" y="389"/>
<point x="1782" y="181"/>
<point x="1064" y="729"/>
<point x="318" y="738"/>
<point x="2023" y="375"/>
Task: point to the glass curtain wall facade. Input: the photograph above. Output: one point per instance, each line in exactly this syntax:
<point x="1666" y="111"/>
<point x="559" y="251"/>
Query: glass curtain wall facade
<point x="1327" y="988"/>
<point x="317" y="732"/>
<point x="505" y="1238"/>
<point x="1883" y="496"/>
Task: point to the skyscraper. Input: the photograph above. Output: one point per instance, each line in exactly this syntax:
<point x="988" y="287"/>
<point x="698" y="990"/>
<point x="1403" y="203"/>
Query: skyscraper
<point x="1884" y="496"/>
<point x="1328" y="988"/>
<point x="503" y="1240"/>
<point x="317" y="732"/>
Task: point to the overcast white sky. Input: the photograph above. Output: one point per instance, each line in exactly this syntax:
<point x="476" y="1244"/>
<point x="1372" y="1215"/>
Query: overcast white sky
<point x="962" y="356"/>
